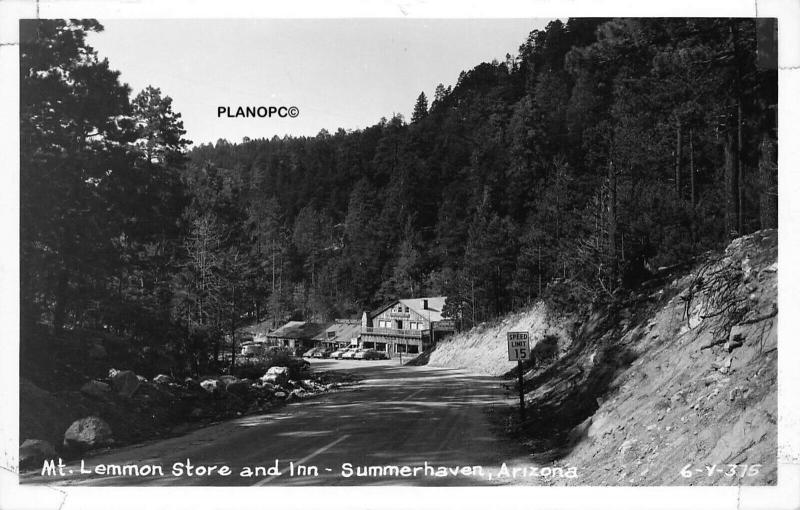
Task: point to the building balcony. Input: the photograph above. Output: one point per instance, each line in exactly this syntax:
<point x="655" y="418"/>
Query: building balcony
<point x="406" y="333"/>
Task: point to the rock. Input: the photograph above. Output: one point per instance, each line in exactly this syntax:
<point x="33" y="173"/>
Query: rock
<point x="746" y="268"/>
<point x="679" y="397"/>
<point x="270" y="379"/>
<point x="227" y="379"/>
<point x="276" y="375"/>
<point x="238" y="387"/>
<point x="191" y="385"/>
<point x="124" y="382"/>
<point x="331" y="386"/>
<point x="297" y="394"/>
<point x="33" y="452"/>
<point x="278" y="370"/>
<point x="738" y="334"/>
<point x="730" y="346"/>
<point x="97" y="351"/>
<point x="88" y="433"/>
<point x="280" y="394"/>
<point x="772" y="268"/>
<point x="162" y="379"/>
<point x="627" y="451"/>
<point x="142" y="378"/>
<point x="96" y="389"/>
<point x="211" y="385"/>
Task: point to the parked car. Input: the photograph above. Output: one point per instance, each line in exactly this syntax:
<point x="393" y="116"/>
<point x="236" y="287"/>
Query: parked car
<point x="350" y="353"/>
<point x="338" y="352"/>
<point x="322" y="352"/>
<point x="310" y="353"/>
<point x="252" y="349"/>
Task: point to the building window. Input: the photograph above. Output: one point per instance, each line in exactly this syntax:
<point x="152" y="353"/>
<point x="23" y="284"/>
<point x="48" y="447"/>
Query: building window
<point x="400" y="348"/>
<point x="331" y="334"/>
<point x="413" y="349"/>
<point x="406" y="309"/>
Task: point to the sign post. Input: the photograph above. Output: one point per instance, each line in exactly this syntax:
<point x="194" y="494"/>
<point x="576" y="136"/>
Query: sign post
<point x="519" y="351"/>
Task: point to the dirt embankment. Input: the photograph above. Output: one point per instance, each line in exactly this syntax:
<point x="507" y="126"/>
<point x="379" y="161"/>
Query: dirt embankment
<point x="484" y="349"/>
<point x="673" y="383"/>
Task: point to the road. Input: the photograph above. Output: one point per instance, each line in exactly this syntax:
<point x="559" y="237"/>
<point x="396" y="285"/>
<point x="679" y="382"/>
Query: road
<point x="397" y="416"/>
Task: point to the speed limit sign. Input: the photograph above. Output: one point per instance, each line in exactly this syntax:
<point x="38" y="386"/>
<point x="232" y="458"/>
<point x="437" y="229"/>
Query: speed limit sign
<point x="518" y="348"/>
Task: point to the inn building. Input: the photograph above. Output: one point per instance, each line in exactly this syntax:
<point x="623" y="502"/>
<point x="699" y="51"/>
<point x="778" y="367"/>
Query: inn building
<point x="405" y="326"/>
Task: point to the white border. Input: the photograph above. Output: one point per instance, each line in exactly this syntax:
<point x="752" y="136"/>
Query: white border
<point x="785" y="495"/>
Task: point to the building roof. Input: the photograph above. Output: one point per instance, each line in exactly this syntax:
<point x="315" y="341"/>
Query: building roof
<point x="344" y="331"/>
<point x="433" y="313"/>
<point x="298" y="329"/>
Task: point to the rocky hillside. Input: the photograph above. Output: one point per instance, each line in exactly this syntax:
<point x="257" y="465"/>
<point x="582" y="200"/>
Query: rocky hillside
<point x="673" y="383"/>
<point x="484" y="349"/>
<point x="72" y="402"/>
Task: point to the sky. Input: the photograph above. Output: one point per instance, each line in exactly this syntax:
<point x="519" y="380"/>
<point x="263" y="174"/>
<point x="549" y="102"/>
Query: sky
<point x="344" y="73"/>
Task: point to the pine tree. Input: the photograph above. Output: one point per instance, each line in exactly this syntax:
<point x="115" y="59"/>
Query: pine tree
<point x="420" y="108"/>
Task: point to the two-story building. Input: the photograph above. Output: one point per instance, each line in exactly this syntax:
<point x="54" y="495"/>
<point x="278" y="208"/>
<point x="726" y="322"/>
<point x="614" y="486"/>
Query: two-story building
<point x="405" y="326"/>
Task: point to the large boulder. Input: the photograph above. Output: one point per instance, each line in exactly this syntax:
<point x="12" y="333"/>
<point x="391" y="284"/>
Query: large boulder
<point x="296" y="394"/>
<point x="240" y="388"/>
<point x="162" y="379"/>
<point x="33" y="452"/>
<point x="211" y="385"/>
<point x="276" y="375"/>
<point x="96" y="389"/>
<point x="88" y="433"/>
<point x="124" y="382"/>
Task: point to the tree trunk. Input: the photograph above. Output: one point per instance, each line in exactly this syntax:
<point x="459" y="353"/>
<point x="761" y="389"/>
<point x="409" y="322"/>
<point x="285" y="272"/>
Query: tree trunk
<point x="731" y="189"/>
<point x="768" y="184"/>
<point x="678" y="162"/>
<point x="692" y="197"/>
<point x="691" y="171"/>
<point x="233" y="328"/>
<point x="612" y="219"/>
<point x="739" y="169"/>
<point x="539" y="270"/>
<point x="60" y="307"/>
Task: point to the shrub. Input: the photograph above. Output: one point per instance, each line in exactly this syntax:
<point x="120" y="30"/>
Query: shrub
<point x="254" y="367"/>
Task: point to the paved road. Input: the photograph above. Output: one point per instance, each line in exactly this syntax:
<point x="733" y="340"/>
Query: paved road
<point x="398" y="416"/>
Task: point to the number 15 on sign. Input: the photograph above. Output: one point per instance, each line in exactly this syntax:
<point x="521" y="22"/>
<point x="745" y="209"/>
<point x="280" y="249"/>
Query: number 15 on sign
<point x="518" y="348"/>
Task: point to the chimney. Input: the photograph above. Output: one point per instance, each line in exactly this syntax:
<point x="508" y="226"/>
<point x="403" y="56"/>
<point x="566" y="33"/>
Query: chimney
<point x="424" y="304"/>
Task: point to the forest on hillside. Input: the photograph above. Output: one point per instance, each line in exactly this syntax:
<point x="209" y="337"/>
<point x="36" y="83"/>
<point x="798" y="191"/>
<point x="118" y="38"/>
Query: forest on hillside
<point x="604" y="149"/>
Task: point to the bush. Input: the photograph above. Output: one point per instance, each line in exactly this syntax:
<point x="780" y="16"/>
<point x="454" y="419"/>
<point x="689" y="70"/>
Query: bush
<point x="374" y="355"/>
<point x="546" y="349"/>
<point x="255" y="366"/>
